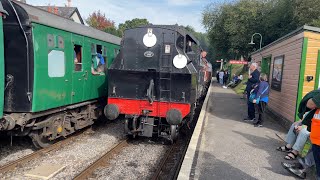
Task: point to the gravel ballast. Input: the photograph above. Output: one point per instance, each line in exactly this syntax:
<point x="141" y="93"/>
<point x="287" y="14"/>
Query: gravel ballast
<point x="137" y="161"/>
<point x="78" y="154"/>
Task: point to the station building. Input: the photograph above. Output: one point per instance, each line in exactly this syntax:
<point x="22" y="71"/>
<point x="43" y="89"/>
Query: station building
<point x="292" y="64"/>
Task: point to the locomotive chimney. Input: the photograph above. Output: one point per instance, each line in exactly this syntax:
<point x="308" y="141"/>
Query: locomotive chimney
<point x="69" y="3"/>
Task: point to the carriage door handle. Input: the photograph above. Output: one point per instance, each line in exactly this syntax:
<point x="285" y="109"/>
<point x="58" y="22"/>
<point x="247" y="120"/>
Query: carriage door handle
<point x="85" y="75"/>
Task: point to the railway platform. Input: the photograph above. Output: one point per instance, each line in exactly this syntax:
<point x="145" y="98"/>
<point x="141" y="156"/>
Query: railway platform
<point x="223" y="146"/>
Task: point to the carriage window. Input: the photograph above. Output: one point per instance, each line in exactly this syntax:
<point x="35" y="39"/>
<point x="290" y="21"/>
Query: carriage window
<point x="98" y="61"/>
<point x="93" y="49"/>
<point x="56" y="63"/>
<point x="104" y="54"/>
<point x="104" y="51"/>
<point x="60" y="42"/>
<point x="50" y="40"/>
<point x="99" y="49"/>
<point x="77" y="56"/>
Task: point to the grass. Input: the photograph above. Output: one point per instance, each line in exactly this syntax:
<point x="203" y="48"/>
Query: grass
<point x="238" y="69"/>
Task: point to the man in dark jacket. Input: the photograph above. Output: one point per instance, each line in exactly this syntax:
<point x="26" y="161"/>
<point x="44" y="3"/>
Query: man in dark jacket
<point x="253" y="79"/>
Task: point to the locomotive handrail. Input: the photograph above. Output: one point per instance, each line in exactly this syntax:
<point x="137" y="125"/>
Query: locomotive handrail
<point x="150" y="92"/>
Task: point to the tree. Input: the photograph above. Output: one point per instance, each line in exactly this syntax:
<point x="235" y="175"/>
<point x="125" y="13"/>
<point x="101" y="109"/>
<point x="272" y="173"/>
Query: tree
<point x="230" y="25"/>
<point x="113" y="31"/>
<point x="99" y="21"/>
<point x="136" y="22"/>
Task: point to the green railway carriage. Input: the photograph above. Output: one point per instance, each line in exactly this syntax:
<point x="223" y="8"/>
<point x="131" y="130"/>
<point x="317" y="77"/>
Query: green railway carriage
<point x="53" y="72"/>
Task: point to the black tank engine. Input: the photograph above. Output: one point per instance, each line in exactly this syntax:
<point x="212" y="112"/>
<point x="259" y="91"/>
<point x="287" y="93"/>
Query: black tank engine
<point x="156" y="80"/>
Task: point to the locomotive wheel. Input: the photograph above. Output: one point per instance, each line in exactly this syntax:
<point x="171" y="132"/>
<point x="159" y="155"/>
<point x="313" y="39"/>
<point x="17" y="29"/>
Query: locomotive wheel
<point x="173" y="133"/>
<point x="39" y="140"/>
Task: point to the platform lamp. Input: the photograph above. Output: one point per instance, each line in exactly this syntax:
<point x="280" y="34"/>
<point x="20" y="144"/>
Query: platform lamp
<point x="252" y="43"/>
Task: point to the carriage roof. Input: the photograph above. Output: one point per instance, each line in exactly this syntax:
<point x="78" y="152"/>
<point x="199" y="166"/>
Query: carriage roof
<point x="41" y="16"/>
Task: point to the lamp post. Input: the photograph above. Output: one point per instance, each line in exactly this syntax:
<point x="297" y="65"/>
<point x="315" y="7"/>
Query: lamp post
<point x="252" y="43"/>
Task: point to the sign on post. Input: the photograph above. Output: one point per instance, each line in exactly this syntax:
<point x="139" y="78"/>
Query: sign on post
<point x="238" y="62"/>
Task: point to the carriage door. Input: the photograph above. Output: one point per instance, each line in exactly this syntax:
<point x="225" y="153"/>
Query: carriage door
<point x="78" y="72"/>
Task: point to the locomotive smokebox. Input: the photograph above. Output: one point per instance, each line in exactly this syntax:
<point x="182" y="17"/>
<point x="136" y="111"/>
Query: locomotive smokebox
<point x="111" y="111"/>
<point x="174" y="117"/>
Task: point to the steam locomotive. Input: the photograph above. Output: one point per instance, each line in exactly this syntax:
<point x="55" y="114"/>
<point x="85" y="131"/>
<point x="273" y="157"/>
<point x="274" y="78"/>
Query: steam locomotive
<point x="156" y="80"/>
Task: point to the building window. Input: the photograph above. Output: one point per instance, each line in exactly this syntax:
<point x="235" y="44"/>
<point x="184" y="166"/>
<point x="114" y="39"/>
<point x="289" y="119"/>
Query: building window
<point x="77" y="58"/>
<point x="56" y="63"/>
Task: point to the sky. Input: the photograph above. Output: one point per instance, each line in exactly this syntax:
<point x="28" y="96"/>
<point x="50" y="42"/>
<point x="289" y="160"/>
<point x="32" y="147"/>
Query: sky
<point x="182" y="12"/>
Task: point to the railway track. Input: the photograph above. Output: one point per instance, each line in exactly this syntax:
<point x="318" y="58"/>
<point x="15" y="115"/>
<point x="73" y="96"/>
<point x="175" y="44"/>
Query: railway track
<point x="171" y="162"/>
<point x="19" y="162"/>
<point x="157" y="174"/>
<point x="102" y="161"/>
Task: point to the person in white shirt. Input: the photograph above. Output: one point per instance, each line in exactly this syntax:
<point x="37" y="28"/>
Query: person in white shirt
<point x="221" y="74"/>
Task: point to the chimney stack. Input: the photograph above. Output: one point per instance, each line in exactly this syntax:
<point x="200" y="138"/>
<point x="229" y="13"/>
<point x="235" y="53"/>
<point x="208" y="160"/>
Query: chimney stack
<point x="69" y="3"/>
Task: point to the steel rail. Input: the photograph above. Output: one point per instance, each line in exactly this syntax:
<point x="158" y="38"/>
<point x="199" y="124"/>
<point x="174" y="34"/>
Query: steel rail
<point x="102" y="161"/>
<point x="164" y="160"/>
<point x="14" y="164"/>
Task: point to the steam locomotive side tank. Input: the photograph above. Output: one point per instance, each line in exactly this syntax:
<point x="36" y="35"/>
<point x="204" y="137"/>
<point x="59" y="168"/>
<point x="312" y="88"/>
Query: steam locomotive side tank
<point x="155" y="80"/>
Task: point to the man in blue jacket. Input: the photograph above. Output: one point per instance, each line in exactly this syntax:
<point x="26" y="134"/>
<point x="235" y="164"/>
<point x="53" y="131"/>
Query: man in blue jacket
<point x="253" y="79"/>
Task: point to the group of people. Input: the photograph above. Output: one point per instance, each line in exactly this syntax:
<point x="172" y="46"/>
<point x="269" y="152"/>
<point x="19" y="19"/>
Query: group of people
<point x="306" y="129"/>
<point x="222" y="76"/>
<point x="257" y="90"/>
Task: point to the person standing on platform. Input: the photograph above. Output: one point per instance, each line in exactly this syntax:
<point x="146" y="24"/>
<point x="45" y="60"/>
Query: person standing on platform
<point x="221" y="74"/>
<point x="262" y="98"/>
<point x="225" y="77"/>
<point x="253" y="79"/>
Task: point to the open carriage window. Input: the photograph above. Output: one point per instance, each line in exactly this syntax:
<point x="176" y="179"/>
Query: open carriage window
<point x="98" y="60"/>
<point x="77" y="58"/>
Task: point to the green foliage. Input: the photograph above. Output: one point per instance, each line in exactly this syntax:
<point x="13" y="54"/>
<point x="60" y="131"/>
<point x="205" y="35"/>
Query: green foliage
<point x="231" y="25"/>
<point x="99" y="21"/>
<point x="136" y="22"/>
<point x="113" y="31"/>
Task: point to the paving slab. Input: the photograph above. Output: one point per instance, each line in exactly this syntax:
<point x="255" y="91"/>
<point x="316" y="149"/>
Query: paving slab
<point x="45" y="171"/>
<point x="226" y="147"/>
